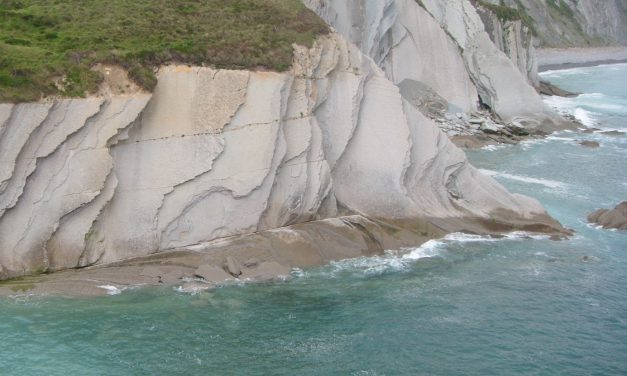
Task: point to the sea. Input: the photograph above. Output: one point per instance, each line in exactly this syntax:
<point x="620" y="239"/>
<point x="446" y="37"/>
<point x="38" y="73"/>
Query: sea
<point x="461" y="305"/>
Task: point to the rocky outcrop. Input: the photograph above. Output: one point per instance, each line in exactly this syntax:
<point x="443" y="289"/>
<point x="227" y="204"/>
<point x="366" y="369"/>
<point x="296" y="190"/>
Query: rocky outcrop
<point x="611" y="218"/>
<point x="447" y="37"/>
<point x="216" y="153"/>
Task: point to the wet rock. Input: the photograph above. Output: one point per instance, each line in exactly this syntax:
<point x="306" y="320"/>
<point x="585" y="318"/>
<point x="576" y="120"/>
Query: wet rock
<point x="611" y="218"/>
<point x="211" y="273"/>
<point x="233" y="267"/>
<point x="547" y="88"/>
<point x="589" y="144"/>
<point x="613" y="133"/>
<point x="252" y="263"/>
<point x="268" y="271"/>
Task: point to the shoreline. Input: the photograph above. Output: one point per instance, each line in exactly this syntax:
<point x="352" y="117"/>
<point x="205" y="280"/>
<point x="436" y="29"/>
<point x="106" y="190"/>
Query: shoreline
<point x="269" y="255"/>
<point x="577" y="57"/>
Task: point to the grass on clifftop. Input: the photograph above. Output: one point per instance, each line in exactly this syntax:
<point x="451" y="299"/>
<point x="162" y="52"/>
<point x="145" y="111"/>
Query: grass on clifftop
<point x="47" y="47"/>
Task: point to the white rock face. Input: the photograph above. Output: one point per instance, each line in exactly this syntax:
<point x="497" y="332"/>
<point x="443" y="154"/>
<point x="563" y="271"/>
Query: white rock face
<point x="443" y="44"/>
<point x="515" y="40"/>
<point x="214" y="153"/>
<point x="406" y="42"/>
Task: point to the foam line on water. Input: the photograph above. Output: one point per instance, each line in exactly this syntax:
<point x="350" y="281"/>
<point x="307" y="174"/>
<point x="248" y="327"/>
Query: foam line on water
<point x="402" y="260"/>
<point x="557" y="73"/>
<point x="112" y="290"/>
<point x="526" y="179"/>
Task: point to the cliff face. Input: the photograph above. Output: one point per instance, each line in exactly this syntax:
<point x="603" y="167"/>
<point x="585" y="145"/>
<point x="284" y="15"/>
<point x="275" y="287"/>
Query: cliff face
<point x="574" y="23"/>
<point x="443" y="44"/>
<point x="213" y="153"/>
<point x="515" y="39"/>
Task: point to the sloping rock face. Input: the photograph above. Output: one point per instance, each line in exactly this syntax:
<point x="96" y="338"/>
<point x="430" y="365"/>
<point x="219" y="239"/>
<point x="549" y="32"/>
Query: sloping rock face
<point x="215" y="153"/>
<point x="445" y="36"/>
<point x="406" y="42"/>
<point x="516" y="40"/>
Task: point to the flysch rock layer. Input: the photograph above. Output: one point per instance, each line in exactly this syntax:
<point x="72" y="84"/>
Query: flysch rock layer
<point x="443" y="44"/>
<point x="219" y="153"/>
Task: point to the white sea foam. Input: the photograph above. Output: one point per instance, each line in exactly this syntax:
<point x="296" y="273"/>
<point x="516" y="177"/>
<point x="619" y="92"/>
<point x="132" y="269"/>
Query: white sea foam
<point x="492" y="147"/>
<point x="401" y="260"/>
<point x="585" y="117"/>
<point x="558" y="73"/>
<point x="488" y="172"/>
<point x="526" y="179"/>
<point x="112" y="290"/>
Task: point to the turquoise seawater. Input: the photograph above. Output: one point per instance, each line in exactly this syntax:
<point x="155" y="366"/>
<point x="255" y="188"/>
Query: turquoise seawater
<point x="460" y="306"/>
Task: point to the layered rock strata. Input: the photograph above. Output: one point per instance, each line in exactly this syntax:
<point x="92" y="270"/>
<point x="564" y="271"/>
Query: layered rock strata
<point x="441" y="46"/>
<point x="217" y="153"/>
<point x="570" y="23"/>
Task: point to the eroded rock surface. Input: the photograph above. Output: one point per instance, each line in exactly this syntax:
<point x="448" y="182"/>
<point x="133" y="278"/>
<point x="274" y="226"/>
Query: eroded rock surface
<point x="442" y="44"/>
<point x="218" y="153"/>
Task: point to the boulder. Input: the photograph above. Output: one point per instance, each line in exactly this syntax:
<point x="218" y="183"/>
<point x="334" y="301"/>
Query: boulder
<point x="211" y="273"/>
<point x="490" y="127"/>
<point x="268" y="271"/>
<point x="589" y="144"/>
<point x="233" y="267"/>
<point x="611" y="218"/>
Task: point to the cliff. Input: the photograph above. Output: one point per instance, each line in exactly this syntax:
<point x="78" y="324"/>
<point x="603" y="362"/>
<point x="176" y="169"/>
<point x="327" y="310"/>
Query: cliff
<point x="443" y="45"/>
<point x="215" y="153"/>
<point x="573" y="23"/>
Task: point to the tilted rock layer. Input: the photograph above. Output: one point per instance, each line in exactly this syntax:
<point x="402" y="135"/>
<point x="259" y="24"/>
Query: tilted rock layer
<point x="443" y="45"/>
<point x="214" y="153"/>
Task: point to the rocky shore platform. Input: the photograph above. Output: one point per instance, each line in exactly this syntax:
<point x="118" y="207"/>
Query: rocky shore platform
<point x="268" y="255"/>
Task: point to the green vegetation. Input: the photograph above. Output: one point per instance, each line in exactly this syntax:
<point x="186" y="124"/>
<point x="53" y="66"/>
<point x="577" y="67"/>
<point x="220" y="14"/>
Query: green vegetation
<point x="505" y="13"/>
<point x="21" y="284"/>
<point x="502" y="12"/>
<point x="47" y="47"/>
<point x="561" y="7"/>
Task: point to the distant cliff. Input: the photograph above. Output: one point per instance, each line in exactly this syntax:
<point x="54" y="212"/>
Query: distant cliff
<point x="572" y="23"/>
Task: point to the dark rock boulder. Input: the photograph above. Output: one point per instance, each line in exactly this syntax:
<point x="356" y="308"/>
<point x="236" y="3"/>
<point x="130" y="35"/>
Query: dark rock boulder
<point x="589" y="144"/>
<point x="611" y="218"/>
<point x="546" y="88"/>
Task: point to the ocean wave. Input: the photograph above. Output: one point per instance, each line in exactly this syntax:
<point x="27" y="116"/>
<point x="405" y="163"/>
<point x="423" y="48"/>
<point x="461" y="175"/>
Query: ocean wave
<point x="560" y="73"/>
<point x="492" y="147"/>
<point x="585" y="117"/>
<point x="112" y="290"/>
<point x="403" y="259"/>
<point x="553" y="184"/>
